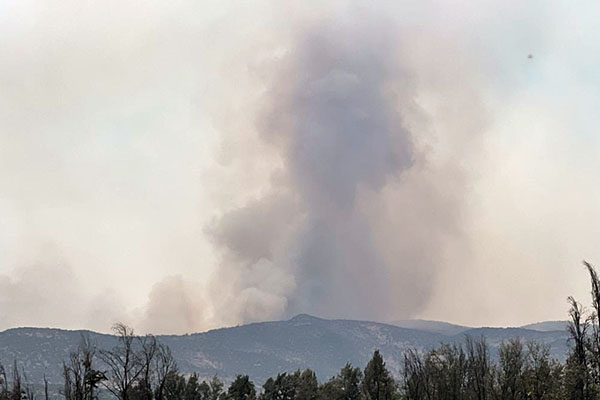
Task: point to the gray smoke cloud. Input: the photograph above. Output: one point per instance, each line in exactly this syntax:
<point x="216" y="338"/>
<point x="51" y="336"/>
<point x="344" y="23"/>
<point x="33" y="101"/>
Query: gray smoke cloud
<point x="46" y="292"/>
<point x="357" y="220"/>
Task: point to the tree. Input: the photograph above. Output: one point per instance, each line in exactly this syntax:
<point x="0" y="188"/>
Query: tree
<point x="175" y="385"/>
<point x="416" y="380"/>
<point x="192" y="388"/>
<point x="204" y="390"/>
<point x="576" y="371"/>
<point x="308" y="386"/>
<point x="20" y="388"/>
<point x="346" y="385"/>
<point x="148" y="349"/>
<point x="510" y="373"/>
<point x="283" y="387"/>
<point x="4" y="392"/>
<point x="124" y="364"/>
<point x="350" y="380"/>
<point x="46" y="392"/>
<point x="165" y="365"/>
<point x="446" y="368"/>
<point x="542" y="376"/>
<point x="17" y="391"/>
<point x="81" y="379"/>
<point x="479" y="369"/>
<point x="593" y="341"/>
<point x="331" y="390"/>
<point x="378" y="383"/>
<point x="242" y="388"/>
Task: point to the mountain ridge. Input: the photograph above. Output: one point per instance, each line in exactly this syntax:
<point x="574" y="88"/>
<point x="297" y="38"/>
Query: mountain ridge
<point x="263" y="349"/>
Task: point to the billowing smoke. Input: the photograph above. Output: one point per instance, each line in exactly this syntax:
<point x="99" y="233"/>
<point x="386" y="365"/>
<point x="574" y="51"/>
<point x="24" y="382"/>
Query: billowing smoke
<point x="355" y="221"/>
<point x="46" y="292"/>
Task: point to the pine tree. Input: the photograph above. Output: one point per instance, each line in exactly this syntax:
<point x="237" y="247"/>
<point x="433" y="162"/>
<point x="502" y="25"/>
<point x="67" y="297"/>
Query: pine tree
<point x="215" y="389"/>
<point x="242" y="388"/>
<point x="175" y="385"/>
<point x="192" y="388"/>
<point x="283" y="387"/>
<point x="378" y="383"/>
<point x="308" y="386"/>
<point x="350" y="379"/>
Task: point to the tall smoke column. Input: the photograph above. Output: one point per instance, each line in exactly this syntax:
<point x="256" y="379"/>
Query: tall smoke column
<point x="327" y="237"/>
<point x="339" y="134"/>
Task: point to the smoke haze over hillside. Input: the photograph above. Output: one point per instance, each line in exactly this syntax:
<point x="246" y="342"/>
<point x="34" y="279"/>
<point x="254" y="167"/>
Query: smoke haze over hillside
<point x="187" y="166"/>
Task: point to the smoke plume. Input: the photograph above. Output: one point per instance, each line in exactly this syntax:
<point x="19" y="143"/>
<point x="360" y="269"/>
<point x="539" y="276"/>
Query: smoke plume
<point x="358" y="218"/>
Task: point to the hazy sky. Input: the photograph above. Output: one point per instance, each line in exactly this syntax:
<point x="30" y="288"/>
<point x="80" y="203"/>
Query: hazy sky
<point x="186" y="165"/>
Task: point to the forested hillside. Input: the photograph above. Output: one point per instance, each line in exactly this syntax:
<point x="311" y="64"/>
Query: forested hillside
<point x="264" y="349"/>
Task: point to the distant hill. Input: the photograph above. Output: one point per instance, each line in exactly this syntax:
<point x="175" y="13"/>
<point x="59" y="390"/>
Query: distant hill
<point x="264" y="349"/>
<point x="547" y="326"/>
<point x="444" y="328"/>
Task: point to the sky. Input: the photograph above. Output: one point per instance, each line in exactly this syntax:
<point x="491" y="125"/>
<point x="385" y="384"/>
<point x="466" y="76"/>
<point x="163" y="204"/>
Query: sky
<point x="182" y="166"/>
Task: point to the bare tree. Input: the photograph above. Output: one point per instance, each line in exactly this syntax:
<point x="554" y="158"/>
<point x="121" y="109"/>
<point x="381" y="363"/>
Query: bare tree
<point x="17" y="391"/>
<point x="479" y="368"/>
<point x="148" y="352"/>
<point x="577" y="371"/>
<point x="578" y="327"/>
<point x="81" y="380"/>
<point x="73" y="375"/>
<point x="165" y="366"/>
<point x="28" y="391"/>
<point x="123" y="363"/>
<point x="594" y="339"/>
<point x="68" y="382"/>
<point x="3" y="382"/>
<point x="46" y="396"/>
<point x="416" y="385"/>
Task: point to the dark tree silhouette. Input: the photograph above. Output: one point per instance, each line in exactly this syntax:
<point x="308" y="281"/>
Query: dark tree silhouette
<point x="242" y="388"/>
<point x="123" y="363"/>
<point x="378" y="383"/>
<point x="81" y="379"/>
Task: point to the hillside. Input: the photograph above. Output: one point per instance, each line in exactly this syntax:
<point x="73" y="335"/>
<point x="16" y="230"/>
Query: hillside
<point x="546" y="326"/>
<point x="263" y="349"/>
<point x="444" y="328"/>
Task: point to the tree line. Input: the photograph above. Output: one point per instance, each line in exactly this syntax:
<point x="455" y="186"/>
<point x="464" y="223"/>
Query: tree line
<point x="142" y="368"/>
